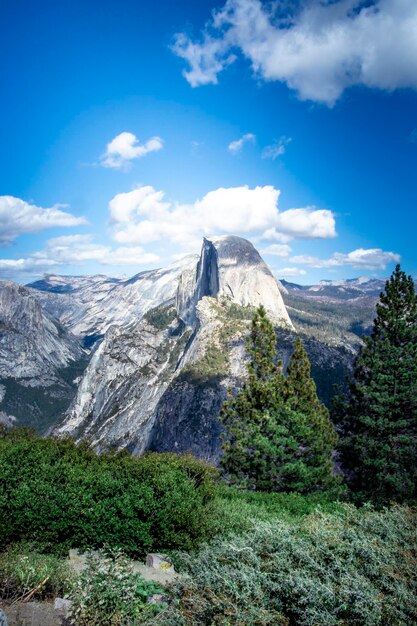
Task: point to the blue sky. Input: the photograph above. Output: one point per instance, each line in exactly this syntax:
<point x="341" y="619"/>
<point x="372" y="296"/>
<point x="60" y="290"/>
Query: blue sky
<point x="129" y="130"/>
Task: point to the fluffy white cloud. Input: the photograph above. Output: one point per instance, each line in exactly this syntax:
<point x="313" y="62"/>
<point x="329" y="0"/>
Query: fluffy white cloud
<point x="288" y="272"/>
<point x="277" y="249"/>
<point x="371" y="259"/>
<point x="206" y="61"/>
<point x="126" y="147"/>
<point x="236" y="146"/>
<point x="317" y="48"/>
<point x="143" y="216"/>
<point x="276" y="149"/>
<point x="305" y="223"/>
<point x="76" y="249"/>
<point x="18" y="217"/>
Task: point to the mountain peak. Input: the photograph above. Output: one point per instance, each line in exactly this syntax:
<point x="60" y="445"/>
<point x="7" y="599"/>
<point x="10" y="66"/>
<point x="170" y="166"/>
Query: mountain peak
<point x="231" y="268"/>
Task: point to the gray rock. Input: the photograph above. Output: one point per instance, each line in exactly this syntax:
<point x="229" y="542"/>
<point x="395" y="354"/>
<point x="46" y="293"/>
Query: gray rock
<point x="159" y="562"/>
<point x="193" y="343"/>
<point x="32" y="343"/>
<point x="63" y="606"/>
<point x="33" y="614"/>
<point x="3" y="618"/>
<point x="157" y="598"/>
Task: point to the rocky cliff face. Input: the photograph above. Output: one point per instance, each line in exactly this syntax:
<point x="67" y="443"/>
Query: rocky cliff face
<point x="36" y="357"/>
<point x="230" y="268"/>
<point x="159" y="382"/>
<point x="89" y="305"/>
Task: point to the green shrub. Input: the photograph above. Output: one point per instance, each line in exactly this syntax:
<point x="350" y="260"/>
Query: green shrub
<point x="237" y="510"/>
<point x="60" y="495"/>
<point x="109" y="592"/>
<point x="161" y="317"/>
<point x="23" y="570"/>
<point x="348" y="568"/>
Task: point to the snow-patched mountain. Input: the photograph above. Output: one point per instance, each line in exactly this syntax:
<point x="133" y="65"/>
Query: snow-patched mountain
<point x="35" y="349"/>
<point x="158" y="381"/>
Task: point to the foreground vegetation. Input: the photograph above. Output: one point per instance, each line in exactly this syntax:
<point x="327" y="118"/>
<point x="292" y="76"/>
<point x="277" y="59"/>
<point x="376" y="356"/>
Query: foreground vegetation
<point x="59" y="496"/>
<point x="332" y="569"/>
<point x="273" y="544"/>
<point x="277" y="559"/>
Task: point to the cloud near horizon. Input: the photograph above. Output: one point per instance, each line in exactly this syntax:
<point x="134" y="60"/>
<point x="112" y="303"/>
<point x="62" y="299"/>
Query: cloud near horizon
<point x="318" y="49"/>
<point x="289" y="272"/>
<point x="144" y="216"/>
<point x="18" y="217"/>
<point x="367" y="259"/>
<point x="73" y="250"/>
<point x="125" y="147"/>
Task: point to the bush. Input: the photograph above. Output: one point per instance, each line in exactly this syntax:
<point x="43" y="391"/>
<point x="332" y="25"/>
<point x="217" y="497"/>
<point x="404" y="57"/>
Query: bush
<point x="349" y="568"/>
<point x="24" y="570"/>
<point x="108" y="592"/>
<point x="161" y="317"/>
<point x="237" y="510"/>
<point x="60" y="496"/>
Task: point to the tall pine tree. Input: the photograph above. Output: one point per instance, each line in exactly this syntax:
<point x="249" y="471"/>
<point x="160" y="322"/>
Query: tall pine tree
<point x="274" y="439"/>
<point x="378" y="417"/>
<point x="301" y="396"/>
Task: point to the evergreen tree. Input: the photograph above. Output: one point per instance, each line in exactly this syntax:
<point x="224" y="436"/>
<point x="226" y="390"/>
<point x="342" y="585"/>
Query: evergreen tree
<point x="378" y="417"/>
<point x="301" y="396"/>
<point x="274" y="439"/>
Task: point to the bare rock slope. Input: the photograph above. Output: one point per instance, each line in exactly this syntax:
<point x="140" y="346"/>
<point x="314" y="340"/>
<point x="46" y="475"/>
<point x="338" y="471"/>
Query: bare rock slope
<point x="158" y="382"/>
<point x="38" y="358"/>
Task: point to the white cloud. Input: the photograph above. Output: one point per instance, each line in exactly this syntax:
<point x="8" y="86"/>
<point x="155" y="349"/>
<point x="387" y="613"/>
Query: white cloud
<point x="277" y="249"/>
<point x="73" y="250"/>
<point x="288" y="272"/>
<point x="304" y="223"/>
<point x="371" y="259"/>
<point x="18" y="217"/>
<point x="205" y="61"/>
<point x="126" y="147"/>
<point x="276" y="149"/>
<point x="143" y="216"/>
<point x="236" y="146"/>
<point x="318" y="48"/>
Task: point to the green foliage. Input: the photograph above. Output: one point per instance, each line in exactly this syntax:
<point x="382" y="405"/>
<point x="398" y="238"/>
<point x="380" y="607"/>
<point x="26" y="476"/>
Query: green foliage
<point x="349" y="568"/>
<point x="332" y="322"/>
<point x="237" y="511"/>
<point x="278" y="436"/>
<point x="161" y="317"/>
<point x="110" y="593"/>
<point x="60" y="496"/>
<point x="23" y="569"/>
<point x="213" y="365"/>
<point x="301" y="396"/>
<point x="378" y="418"/>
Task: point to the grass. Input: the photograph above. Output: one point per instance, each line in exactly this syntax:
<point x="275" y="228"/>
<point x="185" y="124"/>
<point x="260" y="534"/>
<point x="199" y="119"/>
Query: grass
<point x="238" y="510"/>
<point x="27" y="573"/>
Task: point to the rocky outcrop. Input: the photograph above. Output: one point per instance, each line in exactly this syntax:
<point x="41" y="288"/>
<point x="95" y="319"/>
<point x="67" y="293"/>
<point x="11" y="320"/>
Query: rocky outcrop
<point x="37" y="356"/>
<point x="231" y="268"/>
<point x="159" y="382"/>
<point x="88" y="306"/>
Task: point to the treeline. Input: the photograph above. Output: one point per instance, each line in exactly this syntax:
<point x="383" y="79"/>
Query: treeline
<point x="279" y="437"/>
